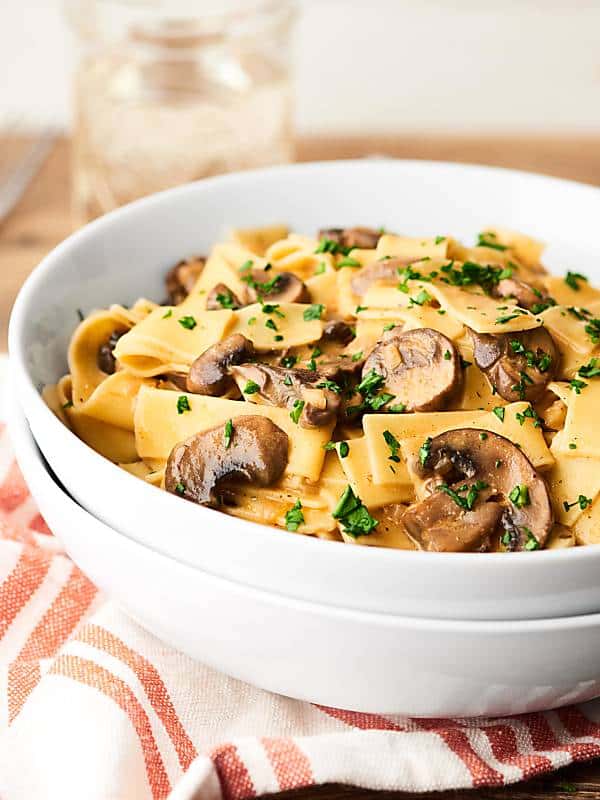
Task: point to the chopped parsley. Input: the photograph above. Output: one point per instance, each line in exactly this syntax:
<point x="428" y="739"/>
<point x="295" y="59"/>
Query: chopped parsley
<point x="332" y="386"/>
<point x="294" y="517"/>
<point x="390" y="326"/>
<point x="313" y="312"/>
<point x="591" y="369"/>
<point x="472" y="274"/>
<point x="540" y="362"/>
<point x="439" y="239"/>
<point x="348" y="262"/>
<point x="358" y="309"/>
<point x="272" y="308"/>
<point x="582" y="501"/>
<point x="572" y="446"/>
<point x="572" y="280"/>
<point x="521" y="387"/>
<point x="357" y="356"/>
<point x="343" y="449"/>
<point x="228" y="434"/>
<point x="424" y="451"/>
<point x="399" y="408"/>
<point x="183" y="404"/>
<point x="329" y="445"/>
<point x="506" y="318"/>
<point x="296" y="410"/>
<point x="321" y="268"/>
<point x="225" y="300"/>
<point x="252" y="321"/>
<point x="246" y="266"/>
<point x="288" y="380"/>
<point x="288" y="361"/>
<point x="251" y="387"/>
<point x="422" y="298"/>
<point x="531" y="543"/>
<point x="483" y="436"/>
<point x="519" y="496"/>
<point x="271" y="324"/>
<point x="393" y="444"/>
<point x="68" y="404"/>
<point x="189" y="323"/>
<point x="447" y="355"/>
<point x="329" y="246"/>
<point x="168" y="314"/>
<point x="488" y="239"/>
<point x="464" y="363"/>
<point x="529" y="413"/>
<point x="499" y="411"/>
<point x="577" y="385"/>
<point x="472" y="492"/>
<point x="311" y="365"/>
<point x="179" y="488"/>
<point x="278" y="338"/>
<point x="353" y="515"/>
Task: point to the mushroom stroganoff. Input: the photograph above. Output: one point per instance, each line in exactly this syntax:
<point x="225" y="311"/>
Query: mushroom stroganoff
<point x="360" y="385"/>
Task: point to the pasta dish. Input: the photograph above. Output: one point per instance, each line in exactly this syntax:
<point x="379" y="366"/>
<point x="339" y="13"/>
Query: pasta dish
<point x="359" y="386"/>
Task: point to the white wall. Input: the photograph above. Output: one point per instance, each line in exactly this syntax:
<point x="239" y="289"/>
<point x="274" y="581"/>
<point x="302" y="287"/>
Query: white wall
<point x="380" y="65"/>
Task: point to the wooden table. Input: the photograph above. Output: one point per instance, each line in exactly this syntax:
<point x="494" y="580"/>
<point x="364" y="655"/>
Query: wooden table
<point x="42" y="219"/>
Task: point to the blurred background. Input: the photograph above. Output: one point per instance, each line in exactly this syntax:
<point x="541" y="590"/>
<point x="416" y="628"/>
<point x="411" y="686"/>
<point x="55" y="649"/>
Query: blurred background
<point x="103" y="101"/>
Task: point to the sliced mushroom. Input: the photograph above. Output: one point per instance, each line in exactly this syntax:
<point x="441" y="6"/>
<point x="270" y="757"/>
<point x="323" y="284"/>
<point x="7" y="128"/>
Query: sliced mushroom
<point x="421" y="367"/>
<point x="221" y="296"/>
<point x="105" y="358"/>
<point x="180" y="280"/>
<point x="384" y="270"/>
<point x="364" y="238"/>
<point x="526" y="295"/>
<point x="209" y="374"/>
<point x="338" y="332"/>
<point x="299" y="390"/>
<point x="251" y="449"/>
<point x="483" y="488"/>
<point x="518" y="365"/>
<point x="283" y="287"/>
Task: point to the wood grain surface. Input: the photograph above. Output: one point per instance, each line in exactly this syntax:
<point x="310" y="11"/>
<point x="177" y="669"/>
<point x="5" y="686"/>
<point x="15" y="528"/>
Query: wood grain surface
<point x="42" y="219"/>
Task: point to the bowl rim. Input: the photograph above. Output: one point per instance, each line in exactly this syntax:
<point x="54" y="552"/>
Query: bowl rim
<point x="18" y="321"/>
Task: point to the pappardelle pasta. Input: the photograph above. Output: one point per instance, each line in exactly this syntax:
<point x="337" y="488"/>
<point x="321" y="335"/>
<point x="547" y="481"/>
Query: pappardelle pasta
<point x="359" y="386"/>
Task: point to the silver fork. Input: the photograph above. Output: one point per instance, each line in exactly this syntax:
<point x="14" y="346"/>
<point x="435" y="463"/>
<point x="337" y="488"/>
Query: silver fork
<point x="16" y="175"/>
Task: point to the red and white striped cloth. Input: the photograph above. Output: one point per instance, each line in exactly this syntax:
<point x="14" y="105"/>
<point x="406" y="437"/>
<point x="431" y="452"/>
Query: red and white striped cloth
<point x="92" y="706"/>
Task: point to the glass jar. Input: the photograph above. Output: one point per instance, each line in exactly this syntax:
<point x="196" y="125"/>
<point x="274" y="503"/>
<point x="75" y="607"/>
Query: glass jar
<point x="169" y="91"/>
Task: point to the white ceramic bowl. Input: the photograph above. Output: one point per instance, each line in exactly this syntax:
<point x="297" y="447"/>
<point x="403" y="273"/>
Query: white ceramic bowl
<point x="349" y="659"/>
<point x="125" y="254"/>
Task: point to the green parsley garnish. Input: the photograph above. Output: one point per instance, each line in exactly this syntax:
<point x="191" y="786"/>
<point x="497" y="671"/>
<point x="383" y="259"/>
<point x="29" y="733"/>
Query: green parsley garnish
<point x="582" y="501"/>
<point x="487" y="239"/>
<point x="68" y="404"/>
<point x="483" y="436"/>
<point x="370" y="383"/>
<point x="272" y="308"/>
<point x="353" y="515"/>
<point x="288" y="380"/>
<point x="439" y="239"/>
<point x="393" y="444"/>
<point x="332" y="386"/>
<point x="311" y="365"/>
<point x="572" y="446"/>
<point x="357" y="356"/>
<point x="329" y="246"/>
<point x="358" y="309"/>
<point x="189" y="323"/>
<point x="424" y="451"/>
<point x="577" y="385"/>
<point x="313" y="312"/>
<point x="251" y="387"/>
<point x="294" y="517"/>
<point x="348" y="262"/>
<point x="225" y="300"/>
<point x="531" y="543"/>
<point x="388" y="327"/>
<point x="179" y="488"/>
<point x="519" y="495"/>
<point x="499" y="411"/>
<point x="168" y="314"/>
<point x="270" y="324"/>
<point x="447" y="355"/>
<point x="321" y="268"/>
<point x="227" y="434"/>
<point x="183" y="404"/>
<point x="246" y="266"/>
<point x="296" y="410"/>
<point x="252" y="321"/>
<point x="529" y="413"/>
<point x="470" y="498"/>
<point x="506" y="318"/>
<point x="329" y="445"/>
<point x="422" y="298"/>
<point x="343" y="449"/>
<point x="591" y="369"/>
<point x="399" y="408"/>
<point x="572" y="278"/>
<point x="288" y="361"/>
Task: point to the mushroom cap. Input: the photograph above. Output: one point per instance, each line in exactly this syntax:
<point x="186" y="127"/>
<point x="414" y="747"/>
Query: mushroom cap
<point x="524" y="293"/>
<point x="421" y="367"/>
<point x="105" y="358"/>
<point x="284" y="387"/>
<point x="201" y="465"/>
<point x="288" y="288"/>
<point x="465" y="458"/>
<point x="508" y="360"/>
<point x="364" y="238"/>
<point x="209" y="373"/>
<point x="384" y="270"/>
<point x="338" y="332"/>
<point x="180" y="279"/>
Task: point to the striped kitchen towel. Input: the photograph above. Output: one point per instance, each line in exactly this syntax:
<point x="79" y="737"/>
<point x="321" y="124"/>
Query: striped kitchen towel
<point x="94" y="707"/>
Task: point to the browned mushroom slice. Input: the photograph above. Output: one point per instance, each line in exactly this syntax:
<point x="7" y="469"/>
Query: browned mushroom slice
<point x="251" y="449"/>
<point x="209" y="374"/>
<point x="337" y="332"/>
<point x="314" y="400"/>
<point x="482" y="489"/>
<point x="364" y="238"/>
<point x="384" y="270"/>
<point x="105" y="358"/>
<point x="180" y="280"/>
<point x="518" y="365"/>
<point x="421" y="368"/>
<point x="526" y="295"/>
<point x="283" y="287"/>
<point x="221" y="296"/>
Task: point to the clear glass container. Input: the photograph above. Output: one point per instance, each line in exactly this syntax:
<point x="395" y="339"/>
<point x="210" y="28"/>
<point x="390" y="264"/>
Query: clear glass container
<point x="169" y="91"/>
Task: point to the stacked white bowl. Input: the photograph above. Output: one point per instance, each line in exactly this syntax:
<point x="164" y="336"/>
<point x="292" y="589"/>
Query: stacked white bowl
<point x="361" y="628"/>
